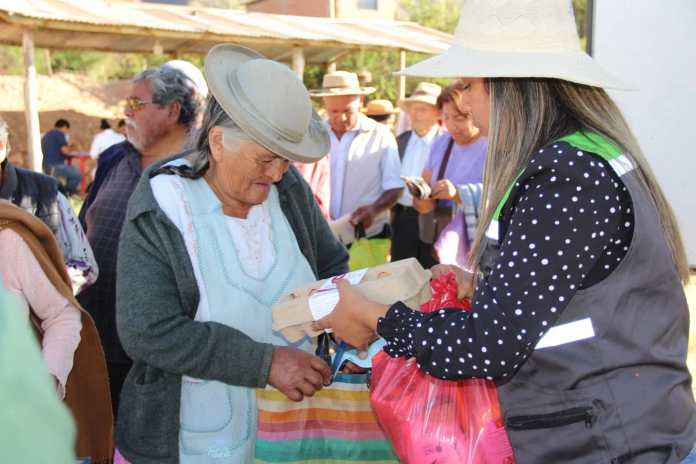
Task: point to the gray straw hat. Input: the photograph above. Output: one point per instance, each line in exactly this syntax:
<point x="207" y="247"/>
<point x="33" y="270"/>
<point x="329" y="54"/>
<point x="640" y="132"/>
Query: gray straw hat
<point x="267" y="101"/>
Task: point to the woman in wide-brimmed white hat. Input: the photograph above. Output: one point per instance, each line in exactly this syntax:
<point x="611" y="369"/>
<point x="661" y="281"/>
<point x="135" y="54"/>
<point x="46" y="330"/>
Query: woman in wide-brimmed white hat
<point x="211" y="241"/>
<point x="578" y="310"/>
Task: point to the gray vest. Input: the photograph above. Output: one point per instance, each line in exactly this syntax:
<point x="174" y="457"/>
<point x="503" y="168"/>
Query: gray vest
<point x="402" y="143"/>
<point x="608" y="383"/>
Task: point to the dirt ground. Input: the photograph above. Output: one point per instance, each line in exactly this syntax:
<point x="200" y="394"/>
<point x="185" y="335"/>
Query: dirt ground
<point x="76" y="98"/>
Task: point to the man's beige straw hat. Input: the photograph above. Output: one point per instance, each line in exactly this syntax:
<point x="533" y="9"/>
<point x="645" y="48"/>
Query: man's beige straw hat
<point x="341" y="83"/>
<point x="516" y="38"/>
<point x="267" y="101"/>
<point x="425" y="92"/>
<point x="380" y="108"/>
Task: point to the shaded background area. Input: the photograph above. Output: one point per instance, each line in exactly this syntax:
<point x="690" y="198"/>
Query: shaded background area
<point x="79" y="99"/>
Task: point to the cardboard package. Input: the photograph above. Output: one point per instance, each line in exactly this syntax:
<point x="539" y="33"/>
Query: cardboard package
<point x="403" y="280"/>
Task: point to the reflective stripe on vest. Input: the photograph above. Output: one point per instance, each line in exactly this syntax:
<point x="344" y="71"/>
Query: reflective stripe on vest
<point x="566" y="333"/>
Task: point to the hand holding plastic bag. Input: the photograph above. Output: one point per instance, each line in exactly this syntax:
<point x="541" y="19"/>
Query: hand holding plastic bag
<point x="434" y="421"/>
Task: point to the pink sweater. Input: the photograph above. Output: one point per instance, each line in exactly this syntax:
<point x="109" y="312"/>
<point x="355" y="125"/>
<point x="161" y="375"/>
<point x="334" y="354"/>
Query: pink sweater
<point x="317" y="176"/>
<point x="22" y="275"/>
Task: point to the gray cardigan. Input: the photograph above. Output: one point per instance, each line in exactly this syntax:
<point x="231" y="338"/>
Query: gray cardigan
<point x="156" y="300"/>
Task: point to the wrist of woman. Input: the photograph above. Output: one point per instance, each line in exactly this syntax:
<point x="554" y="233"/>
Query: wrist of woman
<point x="374" y="313"/>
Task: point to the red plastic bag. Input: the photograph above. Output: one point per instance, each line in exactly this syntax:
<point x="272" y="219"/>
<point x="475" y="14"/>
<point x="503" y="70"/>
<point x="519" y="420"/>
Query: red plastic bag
<point x="435" y="421"/>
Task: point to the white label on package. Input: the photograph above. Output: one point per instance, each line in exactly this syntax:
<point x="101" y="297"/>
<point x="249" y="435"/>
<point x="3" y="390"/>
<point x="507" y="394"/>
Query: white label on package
<point x="325" y="299"/>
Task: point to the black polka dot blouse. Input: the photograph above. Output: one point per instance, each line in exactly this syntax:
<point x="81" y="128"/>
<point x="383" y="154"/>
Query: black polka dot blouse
<point x="567" y="225"/>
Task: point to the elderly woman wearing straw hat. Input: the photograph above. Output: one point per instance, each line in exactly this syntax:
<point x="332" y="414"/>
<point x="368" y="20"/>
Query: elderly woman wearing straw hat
<point x="212" y="239"/>
<point x="578" y="312"/>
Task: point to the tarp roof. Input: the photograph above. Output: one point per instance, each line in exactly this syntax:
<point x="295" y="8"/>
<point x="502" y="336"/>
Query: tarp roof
<point x="147" y="28"/>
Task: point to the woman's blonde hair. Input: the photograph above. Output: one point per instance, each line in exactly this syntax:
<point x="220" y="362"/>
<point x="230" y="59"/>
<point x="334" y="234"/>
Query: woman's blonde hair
<point x="527" y="114"/>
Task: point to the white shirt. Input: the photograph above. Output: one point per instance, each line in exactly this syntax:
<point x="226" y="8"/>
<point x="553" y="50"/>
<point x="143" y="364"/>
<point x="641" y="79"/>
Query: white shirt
<point x="383" y="145"/>
<point x="415" y="156"/>
<point x="104" y="140"/>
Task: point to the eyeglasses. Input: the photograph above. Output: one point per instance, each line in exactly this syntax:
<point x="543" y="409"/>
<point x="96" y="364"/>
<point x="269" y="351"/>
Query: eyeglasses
<point x="134" y="104"/>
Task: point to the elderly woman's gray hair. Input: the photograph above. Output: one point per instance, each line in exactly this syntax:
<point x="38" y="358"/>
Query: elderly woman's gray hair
<point x="199" y="144"/>
<point x="170" y="85"/>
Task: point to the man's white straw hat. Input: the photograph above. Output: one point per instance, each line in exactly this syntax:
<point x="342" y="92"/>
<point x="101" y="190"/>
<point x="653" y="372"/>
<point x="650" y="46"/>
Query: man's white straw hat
<point x="425" y="92"/>
<point x="516" y="38"/>
<point x="341" y="83"/>
<point x="267" y="101"/>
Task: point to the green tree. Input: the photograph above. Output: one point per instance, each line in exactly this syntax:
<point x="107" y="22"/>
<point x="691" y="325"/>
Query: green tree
<point x="442" y="15"/>
<point x="436" y="14"/>
<point x="580" y="8"/>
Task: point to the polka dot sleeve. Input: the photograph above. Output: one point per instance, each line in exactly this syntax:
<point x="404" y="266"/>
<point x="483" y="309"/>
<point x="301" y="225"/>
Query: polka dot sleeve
<point x="569" y="222"/>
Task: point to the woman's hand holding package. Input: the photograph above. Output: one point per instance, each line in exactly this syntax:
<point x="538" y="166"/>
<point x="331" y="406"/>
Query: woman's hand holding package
<point x="466" y="284"/>
<point x="297" y="374"/>
<point x="444" y="190"/>
<point x="354" y="319"/>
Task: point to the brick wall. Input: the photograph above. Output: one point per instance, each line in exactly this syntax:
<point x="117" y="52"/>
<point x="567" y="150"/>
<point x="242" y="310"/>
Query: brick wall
<point x="356" y="9"/>
<point x="292" y="7"/>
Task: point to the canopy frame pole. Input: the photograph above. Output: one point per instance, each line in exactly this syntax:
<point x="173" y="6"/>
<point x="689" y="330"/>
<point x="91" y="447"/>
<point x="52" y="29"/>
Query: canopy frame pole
<point x="331" y="66"/>
<point x="589" y="27"/>
<point x="298" y="61"/>
<point x="31" y="104"/>
<point x="47" y="57"/>
<point x="402" y="79"/>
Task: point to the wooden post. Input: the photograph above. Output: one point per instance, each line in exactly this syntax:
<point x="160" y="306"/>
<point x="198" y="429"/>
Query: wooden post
<point x="157" y="48"/>
<point x="298" y="61"/>
<point x="47" y="57"/>
<point x="402" y="79"/>
<point x="331" y="66"/>
<point x="31" y="104"/>
<point x="589" y="27"/>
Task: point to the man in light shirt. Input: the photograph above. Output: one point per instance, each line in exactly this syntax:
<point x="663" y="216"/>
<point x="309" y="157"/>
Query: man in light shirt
<point x="414" y="149"/>
<point x="104" y="139"/>
<point x="365" y="166"/>
<point x="161" y="110"/>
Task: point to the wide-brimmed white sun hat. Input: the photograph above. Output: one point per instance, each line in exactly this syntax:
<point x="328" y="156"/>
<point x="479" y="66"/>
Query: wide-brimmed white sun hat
<point x="268" y="101"/>
<point x="516" y="38"/>
<point x="341" y="83"/>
